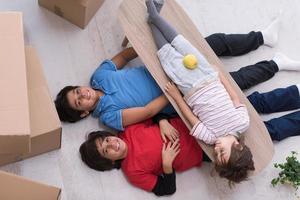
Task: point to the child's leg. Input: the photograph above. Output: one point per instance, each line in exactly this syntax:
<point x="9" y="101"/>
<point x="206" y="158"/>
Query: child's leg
<point x="285" y="126"/>
<point x="165" y="28"/>
<point x="183" y="46"/>
<point x="252" y="75"/>
<point x="159" y="39"/>
<point x="234" y="44"/>
<point x="278" y="100"/>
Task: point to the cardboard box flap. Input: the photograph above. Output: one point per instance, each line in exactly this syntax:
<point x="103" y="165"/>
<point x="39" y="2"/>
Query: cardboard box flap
<point x="14" y="110"/>
<point x="44" y="122"/>
<point x="43" y="115"/>
<point x="14" y="187"/>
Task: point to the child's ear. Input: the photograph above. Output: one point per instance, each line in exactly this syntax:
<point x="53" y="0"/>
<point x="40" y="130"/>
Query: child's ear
<point x="84" y="114"/>
<point x="238" y="146"/>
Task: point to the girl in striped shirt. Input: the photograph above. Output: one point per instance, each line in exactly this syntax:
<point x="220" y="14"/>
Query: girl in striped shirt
<point x="217" y="115"/>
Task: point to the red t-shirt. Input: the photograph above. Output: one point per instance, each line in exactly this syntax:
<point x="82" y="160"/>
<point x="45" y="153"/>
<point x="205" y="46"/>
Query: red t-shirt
<point x="143" y="162"/>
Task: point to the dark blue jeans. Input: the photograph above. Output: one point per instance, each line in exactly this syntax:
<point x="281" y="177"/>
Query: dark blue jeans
<point x="278" y="100"/>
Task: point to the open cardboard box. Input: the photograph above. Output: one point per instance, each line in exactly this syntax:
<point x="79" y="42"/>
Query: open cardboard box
<point x="14" y="187"/>
<point x="14" y="107"/>
<point x="78" y="12"/>
<point x="45" y="127"/>
<point x="29" y="124"/>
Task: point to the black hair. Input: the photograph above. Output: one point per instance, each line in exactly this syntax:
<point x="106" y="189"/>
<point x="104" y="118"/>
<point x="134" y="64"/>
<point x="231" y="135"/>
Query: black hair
<point x="64" y="110"/>
<point x="92" y="158"/>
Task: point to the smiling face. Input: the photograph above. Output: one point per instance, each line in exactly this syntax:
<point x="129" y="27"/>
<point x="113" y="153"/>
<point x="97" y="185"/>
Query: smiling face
<point x="83" y="98"/>
<point x="111" y="147"/>
<point x="222" y="148"/>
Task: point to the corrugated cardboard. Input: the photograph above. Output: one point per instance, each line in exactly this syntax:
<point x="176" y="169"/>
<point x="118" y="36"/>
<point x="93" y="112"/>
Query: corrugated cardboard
<point x="14" y="111"/>
<point x="78" y="12"/>
<point x="14" y="187"/>
<point x="45" y="125"/>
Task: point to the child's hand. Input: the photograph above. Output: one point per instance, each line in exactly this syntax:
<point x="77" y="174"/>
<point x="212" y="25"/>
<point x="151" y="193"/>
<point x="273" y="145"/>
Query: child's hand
<point x="167" y="130"/>
<point x="172" y="90"/>
<point x="169" y="153"/>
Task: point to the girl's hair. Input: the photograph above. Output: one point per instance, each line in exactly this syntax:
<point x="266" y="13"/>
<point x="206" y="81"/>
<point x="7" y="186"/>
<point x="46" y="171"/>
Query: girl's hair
<point x="64" y="110"/>
<point x="92" y="158"/>
<point x="238" y="165"/>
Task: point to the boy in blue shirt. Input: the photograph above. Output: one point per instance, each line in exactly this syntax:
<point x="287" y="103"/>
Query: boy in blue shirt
<point x="120" y="97"/>
<point x="117" y="96"/>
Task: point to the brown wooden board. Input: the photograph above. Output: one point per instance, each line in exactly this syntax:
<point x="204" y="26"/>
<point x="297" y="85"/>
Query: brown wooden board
<point x="133" y="18"/>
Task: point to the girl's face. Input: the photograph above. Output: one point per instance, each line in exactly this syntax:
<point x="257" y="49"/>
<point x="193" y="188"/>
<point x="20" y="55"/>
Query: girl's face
<point x="112" y="148"/>
<point x="222" y="148"/>
<point x="83" y="98"/>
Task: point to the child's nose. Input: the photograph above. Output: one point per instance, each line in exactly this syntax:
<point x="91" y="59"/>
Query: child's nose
<point x="82" y="94"/>
<point x="112" y="144"/>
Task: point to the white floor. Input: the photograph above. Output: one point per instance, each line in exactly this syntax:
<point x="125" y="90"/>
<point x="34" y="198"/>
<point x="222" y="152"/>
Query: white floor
<point x="69" y="56"/>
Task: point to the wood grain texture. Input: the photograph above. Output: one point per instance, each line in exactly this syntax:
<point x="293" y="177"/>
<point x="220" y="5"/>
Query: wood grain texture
<point x="133" y="17"/>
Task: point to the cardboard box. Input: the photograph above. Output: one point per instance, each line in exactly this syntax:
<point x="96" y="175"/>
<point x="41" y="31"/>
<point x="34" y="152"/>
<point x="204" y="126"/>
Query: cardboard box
<point x="14" y="187"/>
<point x="14" y="109"/>
<point x="78" y="12"/>
<point x="44" y="122"/>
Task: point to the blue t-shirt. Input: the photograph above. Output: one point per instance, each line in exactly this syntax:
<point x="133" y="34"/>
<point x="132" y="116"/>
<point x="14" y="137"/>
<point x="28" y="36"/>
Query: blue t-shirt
<point x="125" y="88"/>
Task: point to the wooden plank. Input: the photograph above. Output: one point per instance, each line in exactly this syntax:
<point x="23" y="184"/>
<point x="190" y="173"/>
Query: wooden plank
<point x="133" y="15"/>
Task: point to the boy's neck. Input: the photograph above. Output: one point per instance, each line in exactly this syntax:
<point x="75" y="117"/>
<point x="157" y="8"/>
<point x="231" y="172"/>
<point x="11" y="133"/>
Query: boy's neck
<point x="99" y="94"/>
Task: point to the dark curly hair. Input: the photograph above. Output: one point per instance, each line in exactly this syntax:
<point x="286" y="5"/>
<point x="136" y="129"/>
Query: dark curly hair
<point x="92" y="158"/>
<point x="64" y="110"/>
<point x="238" y="165"/>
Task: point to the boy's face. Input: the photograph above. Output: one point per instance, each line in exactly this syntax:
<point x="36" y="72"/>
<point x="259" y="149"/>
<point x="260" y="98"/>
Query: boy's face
<point x="83" y="98"/>
<point x="111" y="147"/>
<point x="222" y="148"/>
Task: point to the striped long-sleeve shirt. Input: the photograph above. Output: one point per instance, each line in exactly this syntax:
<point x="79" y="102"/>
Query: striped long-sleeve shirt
<point x="216" y="112"/>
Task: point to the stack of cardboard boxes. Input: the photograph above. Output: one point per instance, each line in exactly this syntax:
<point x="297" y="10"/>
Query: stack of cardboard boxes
<point x="29" y="124"/>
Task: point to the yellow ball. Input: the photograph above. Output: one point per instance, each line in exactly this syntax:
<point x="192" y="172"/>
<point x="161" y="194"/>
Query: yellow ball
<point x="190" y="61"/>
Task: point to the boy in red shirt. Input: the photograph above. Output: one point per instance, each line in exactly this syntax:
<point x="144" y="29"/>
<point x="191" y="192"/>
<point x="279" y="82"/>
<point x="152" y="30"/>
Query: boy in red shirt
<point x="141" y="153"/>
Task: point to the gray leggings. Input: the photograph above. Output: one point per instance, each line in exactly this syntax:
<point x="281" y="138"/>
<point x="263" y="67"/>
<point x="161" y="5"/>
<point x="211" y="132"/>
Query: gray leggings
<point x="162" y="31"/>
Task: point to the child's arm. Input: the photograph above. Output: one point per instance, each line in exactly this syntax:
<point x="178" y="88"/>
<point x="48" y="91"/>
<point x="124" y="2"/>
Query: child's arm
<point x="200" y="131"/>
<point x="122" y="58"/>
<point x="166" y="182"/>
<point x="138" y="114"/>
<point x="185" y="109"/>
